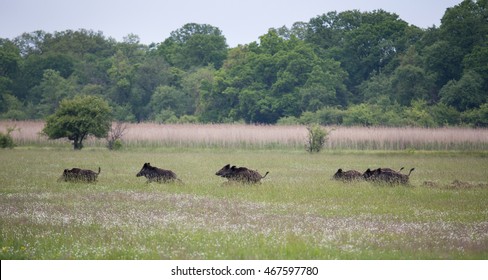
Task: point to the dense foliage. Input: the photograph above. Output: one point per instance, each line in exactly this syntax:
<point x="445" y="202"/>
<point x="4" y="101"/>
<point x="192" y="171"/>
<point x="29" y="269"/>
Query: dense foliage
<point x="6" y="141"/>
<point x="78" y="118"/>
<point x="349" y="68"/>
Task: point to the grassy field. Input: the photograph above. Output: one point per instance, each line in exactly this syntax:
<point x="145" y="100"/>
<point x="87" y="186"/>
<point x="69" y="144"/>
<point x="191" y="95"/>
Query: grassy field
<point x="297" y="212"/>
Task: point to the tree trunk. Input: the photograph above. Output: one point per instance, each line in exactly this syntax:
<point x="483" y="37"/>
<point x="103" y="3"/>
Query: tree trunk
<point x="77" y="143"/>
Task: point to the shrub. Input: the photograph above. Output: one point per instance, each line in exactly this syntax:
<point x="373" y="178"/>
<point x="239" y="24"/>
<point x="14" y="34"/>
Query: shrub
<point x="476" y="117"/>
<point x="290" y="120"/>
<point x="114" y="136"/>
<point x="317" y="136"/>
<point x="330" y="115"/>
<point x="6" y="141"/>
<point x="116" y="145"/>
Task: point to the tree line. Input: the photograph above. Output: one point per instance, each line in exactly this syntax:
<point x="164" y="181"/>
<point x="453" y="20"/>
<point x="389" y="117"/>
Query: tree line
<point x="347" y="68"/>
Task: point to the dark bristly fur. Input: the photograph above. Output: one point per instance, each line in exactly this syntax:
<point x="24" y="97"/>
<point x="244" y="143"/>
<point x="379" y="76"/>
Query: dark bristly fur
<point x="224" y="171"/>
<point x="78" y="174"/>
<point x="385" y="176"/>
<point x="349" y="175"/>
<point x="240" y="174"/>
<point x="386" y="169"/>
<point x="153" y="173"/>
<point x="368" y="174"/>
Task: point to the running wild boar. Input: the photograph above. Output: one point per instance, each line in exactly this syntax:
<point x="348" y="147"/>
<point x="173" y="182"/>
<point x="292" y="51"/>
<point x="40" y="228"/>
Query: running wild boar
<point x="349" y="175"/>
<point x="78" y="174"/>
<point x="240" y="174"/>
<point x="155" y="174"/>
<point x="389" y="177"/>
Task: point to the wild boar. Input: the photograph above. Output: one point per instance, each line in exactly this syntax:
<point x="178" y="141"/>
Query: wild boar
<point x="78" y="174"/>
<point x="156" y="174"/>
<point x="240" y="174"/>
<point x="349" y="175"/>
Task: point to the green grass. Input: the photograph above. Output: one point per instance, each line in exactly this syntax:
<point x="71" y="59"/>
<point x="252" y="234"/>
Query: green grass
<point x="297" y="212"/>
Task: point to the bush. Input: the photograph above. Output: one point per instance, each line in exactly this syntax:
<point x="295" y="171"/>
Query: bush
<point x="317" y="136"/>
<point x="330" y="116"/>
<point x="117" y="145"/>
<point x="362" y="114"/>
<point x="291" y="120"/>
<point x="113" y="138"/>
<point x="188" y="119"/>
<point x="6" y="141"/>
<point x="476" y="117"/>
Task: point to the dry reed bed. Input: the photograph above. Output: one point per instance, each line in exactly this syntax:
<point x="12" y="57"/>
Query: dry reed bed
<point x="265" y="136"/>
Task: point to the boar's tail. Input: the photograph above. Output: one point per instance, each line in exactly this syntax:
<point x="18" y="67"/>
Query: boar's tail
<point x="411" y="171"/>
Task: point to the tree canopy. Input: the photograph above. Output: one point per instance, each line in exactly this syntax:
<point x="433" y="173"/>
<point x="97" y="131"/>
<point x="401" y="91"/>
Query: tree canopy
<point x="350" y="68"/>
<point x="78" y="118"/>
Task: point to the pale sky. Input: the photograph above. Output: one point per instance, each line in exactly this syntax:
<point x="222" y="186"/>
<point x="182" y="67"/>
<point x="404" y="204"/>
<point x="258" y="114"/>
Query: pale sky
<point x="241" y="22"/>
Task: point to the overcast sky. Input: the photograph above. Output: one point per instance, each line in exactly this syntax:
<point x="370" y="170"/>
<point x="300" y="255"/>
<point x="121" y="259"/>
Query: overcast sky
<point x="241" y="22"/>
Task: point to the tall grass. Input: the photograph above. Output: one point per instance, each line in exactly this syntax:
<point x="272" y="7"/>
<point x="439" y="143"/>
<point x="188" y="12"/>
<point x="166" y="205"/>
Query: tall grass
<point x="271" y="136"/>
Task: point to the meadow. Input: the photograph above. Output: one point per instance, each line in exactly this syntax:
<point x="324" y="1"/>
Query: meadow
<point x="297" y="212"/>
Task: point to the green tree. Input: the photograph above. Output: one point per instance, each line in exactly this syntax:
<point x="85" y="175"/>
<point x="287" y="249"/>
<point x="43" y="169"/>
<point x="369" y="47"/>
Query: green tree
<point x="77" y="43"/>
<point x="465" y="25"/>
<point x="279" y="77"/>
<point x="462" y="35"/>
<point x="419" y="114"/>
<point x="9" y="68"/>
<point x="52" y="89"/>
<point x="326" y="31"/>
<point x="467" y="93"/>
<point x="477" y="117"/>
<point x="9" y="60"/>
<point x="166" y="98"/>
<point x="361" y="114"/>
<point x="197" y="85"/>
<point x="376" y="89"/>
<point x="445" y="115"/>
<point x="195" y="45"/>
<point x="410" y="83"/>
<point x="79" y="117"/>
<point x="14" y="108"/>
<point x="121" y="74"/>
<point x="324" y="86"/>
<point x="364" y="43"/>
<point x="444" y="61"/>
<point x="32" y="73"/>
<point x="151" y="73"/>
<point x="477" y="61"/>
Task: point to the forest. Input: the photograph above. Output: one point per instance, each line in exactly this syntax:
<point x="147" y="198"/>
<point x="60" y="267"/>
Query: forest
<point x="347" y="68"/>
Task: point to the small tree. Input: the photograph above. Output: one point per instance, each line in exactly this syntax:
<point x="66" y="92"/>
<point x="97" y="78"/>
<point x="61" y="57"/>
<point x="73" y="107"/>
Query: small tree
<point x="114" y="136"/>
<point x="317" y="136"/>
<point x="77" y="118"/>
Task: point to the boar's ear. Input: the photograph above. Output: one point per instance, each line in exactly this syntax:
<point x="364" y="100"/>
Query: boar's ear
<point x="227" y="166"/>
